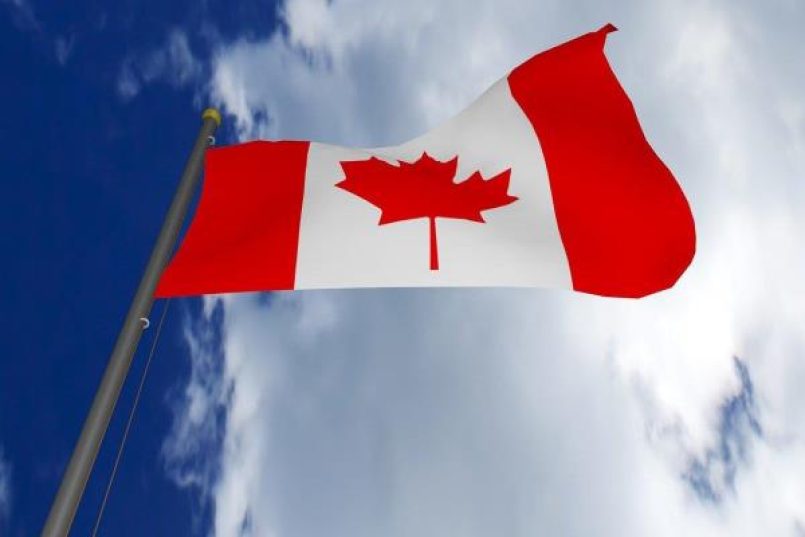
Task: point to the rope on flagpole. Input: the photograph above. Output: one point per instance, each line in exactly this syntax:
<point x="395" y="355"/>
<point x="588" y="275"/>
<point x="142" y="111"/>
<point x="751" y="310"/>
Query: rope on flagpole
<point x="130" y="420"/>
<point x="75" y="477"/>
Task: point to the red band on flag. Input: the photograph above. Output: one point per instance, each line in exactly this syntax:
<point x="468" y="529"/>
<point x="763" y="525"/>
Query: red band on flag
<point x="625" y="224"/>
<point x="245" y="233"/>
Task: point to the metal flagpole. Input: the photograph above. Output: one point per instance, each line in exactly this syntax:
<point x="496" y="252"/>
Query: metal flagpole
<point x="78" y="470"/>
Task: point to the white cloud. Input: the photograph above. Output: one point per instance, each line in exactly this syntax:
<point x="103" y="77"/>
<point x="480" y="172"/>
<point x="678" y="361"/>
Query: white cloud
<point x="198" y="412"/>
<point x="23" y="15"/>
<point x="5" y="489"/>
<point x="521" y="412"/>
<point x="63" y="47"/>
<point x="173" y="63"/>
<point x="25" y="19"/>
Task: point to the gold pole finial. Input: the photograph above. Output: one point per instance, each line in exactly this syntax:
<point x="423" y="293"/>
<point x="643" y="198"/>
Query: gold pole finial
<point x="212" y="113"/>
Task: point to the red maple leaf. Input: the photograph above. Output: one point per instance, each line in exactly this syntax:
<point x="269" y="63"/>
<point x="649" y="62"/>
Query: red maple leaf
<point x="424" y="189"/>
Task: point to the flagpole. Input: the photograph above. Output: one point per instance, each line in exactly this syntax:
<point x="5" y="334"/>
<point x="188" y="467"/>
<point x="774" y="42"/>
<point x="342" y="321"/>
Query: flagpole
<point x="75" y="478"/>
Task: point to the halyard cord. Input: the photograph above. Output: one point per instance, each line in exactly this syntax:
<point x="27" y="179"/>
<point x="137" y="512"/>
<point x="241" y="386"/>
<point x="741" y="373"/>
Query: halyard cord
<point x="131" y="418"/>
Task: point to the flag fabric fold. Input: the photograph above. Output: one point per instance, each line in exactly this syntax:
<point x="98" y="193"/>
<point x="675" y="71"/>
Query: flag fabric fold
<point x="546" y="180"/>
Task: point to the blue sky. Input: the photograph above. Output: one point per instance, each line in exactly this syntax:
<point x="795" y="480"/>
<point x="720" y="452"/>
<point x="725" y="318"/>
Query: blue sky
<point x="88" y="175"/>
<point x="401" y="412"/>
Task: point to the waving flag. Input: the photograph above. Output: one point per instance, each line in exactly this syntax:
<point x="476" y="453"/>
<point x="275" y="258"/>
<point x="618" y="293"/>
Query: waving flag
<point x="545" y="181"/>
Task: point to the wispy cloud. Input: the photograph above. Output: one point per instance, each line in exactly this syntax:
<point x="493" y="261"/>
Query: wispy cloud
<point x="63" y="47"/>
<point x="25" y="19"/>
<point x="485" y="412"/>
<point x="174" y="64"/>
<point x="22" y="13"/>
<point x="199" y="411"/>
<point x="5" y="489"/>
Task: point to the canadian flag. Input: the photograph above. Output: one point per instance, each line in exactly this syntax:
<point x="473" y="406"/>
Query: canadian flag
<point x="545" y="181"/>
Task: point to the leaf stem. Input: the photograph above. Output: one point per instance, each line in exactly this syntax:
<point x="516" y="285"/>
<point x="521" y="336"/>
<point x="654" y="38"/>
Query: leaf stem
<point x="434" y="248"/>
